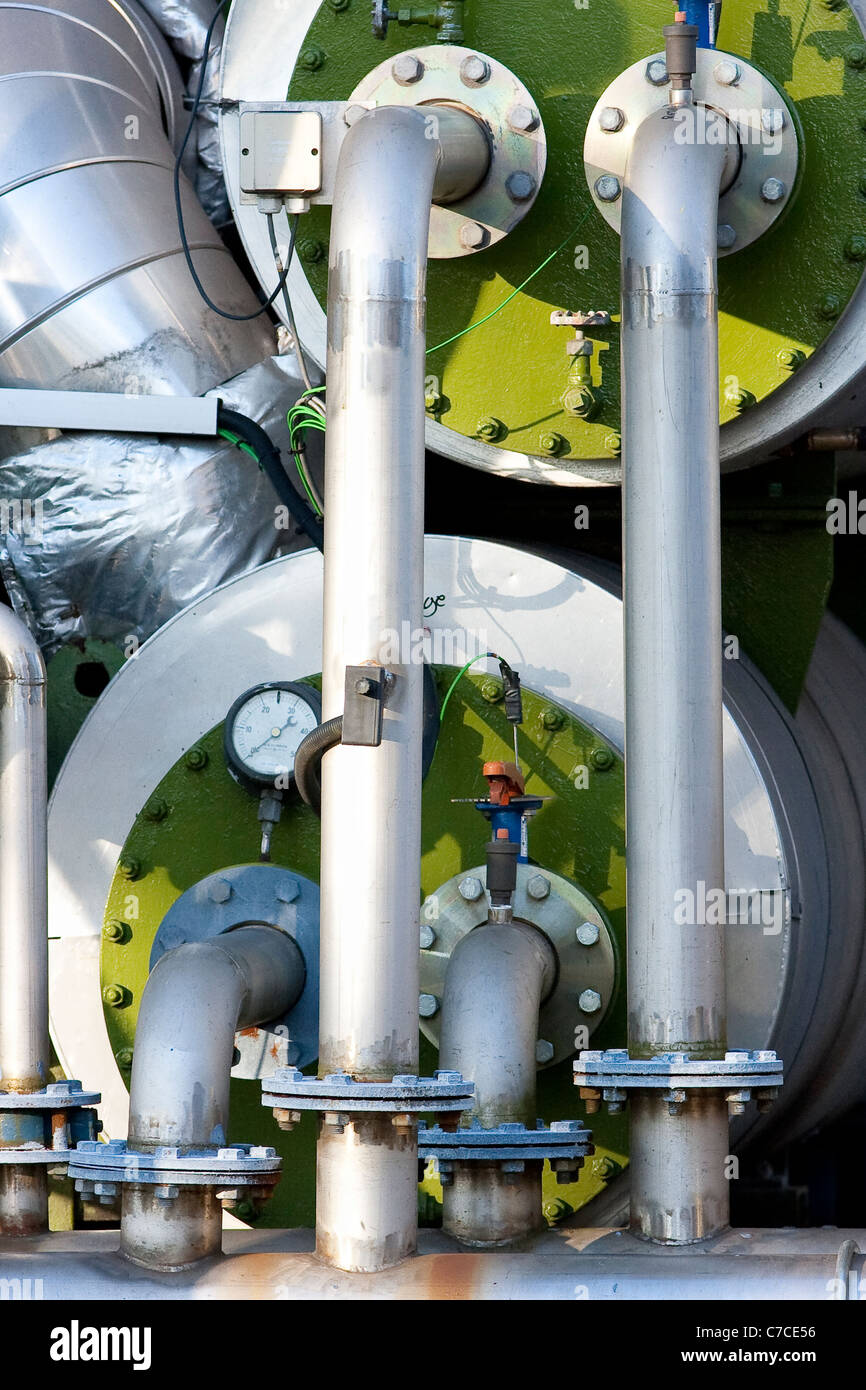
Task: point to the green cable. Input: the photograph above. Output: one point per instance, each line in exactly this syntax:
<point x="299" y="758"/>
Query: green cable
<point x="241" y="444"/>
<point x="452" y="687"/>
<point x="514" y="293"/>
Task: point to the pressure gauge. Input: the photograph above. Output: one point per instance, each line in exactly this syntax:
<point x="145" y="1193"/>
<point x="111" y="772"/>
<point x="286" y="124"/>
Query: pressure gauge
<point x="264" y="729"/>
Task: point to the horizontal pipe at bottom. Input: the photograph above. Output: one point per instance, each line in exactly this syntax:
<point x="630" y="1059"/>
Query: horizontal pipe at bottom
<point x="573" y="1265"/>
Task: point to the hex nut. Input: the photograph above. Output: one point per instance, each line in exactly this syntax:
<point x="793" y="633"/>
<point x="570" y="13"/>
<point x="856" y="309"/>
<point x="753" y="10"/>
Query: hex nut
<point x="544" y="1051"/>
<point x="611" y="119"/>
<point x="471" y="888"/>
<point x="406" y="69"/>
<point x="590" y="1001"/>
<point x="608" y="188"/>
<point x="522" y="118"/>
<point x="220" y="891"/>
<point x="538" y="887"/>
<point x="353" y="113"/>
<point x="473" y="236"/>
<point x="726" y="235"/>
<point x="773" y="190"/>
<point x="428" y="1005"/>
<point x="427" y="936"/>
<point x="520" y="186"/>
<point x="727" y="72"/>
<point x="772" y="119"/>
<point x="656" y="72"/>
<point x="474" y="71"/>
<point x="587" y="933"/>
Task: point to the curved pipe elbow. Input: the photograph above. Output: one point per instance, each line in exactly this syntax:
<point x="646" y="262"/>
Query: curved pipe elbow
<point x="197" y="997"/>
<point x="497" y="979"/>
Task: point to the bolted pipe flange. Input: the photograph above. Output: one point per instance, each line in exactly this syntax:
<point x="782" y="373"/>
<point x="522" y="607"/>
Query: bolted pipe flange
<point x="340" y="1094"/>
<point x="451" y="75"/>
<point x="564" y="915"/>
<point x="566" y="1143"/>
<point x="613" y="1075"/>
<point x="235" y="1165"/>
<point x="727" y="90"/>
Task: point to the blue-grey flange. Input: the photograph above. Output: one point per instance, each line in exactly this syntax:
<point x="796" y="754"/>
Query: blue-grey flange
<point x="243" y="895"/>
<point x="237" y="1165"/>
<point x="56" y="1096"/>
<point x="611" y="1075"/>
<point x="339" y="1092"/>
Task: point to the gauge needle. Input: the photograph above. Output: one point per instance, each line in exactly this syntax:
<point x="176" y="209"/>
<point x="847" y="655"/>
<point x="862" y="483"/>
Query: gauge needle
<point x="275" y="733"/>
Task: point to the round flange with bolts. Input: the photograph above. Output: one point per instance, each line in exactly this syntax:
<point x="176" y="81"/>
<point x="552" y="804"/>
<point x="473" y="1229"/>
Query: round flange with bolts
<point x="566" y="1143"/>
<point x="572" y="922"/>
<point x="61" y="1110"/>
<point x="518" y="146"/>
<point x="742" y="1076"/>
<point x="761" y="128"/>
<point x="339" y="1096"/>
<point x="56" y="1096"/>
<point x="100" y="1169"/>
<point x="245" y="895"/>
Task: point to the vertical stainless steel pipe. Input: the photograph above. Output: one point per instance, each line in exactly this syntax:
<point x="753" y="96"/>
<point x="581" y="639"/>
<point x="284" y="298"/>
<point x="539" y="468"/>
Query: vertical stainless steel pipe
<point x="394" y="162"/>
<point x="497" y="978"/>
<point x="24" y="1048"/>
<point x="197" y="997"/>
<point x="674" y="781"/>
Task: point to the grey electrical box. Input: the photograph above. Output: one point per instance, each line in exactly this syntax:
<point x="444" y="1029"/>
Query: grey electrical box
<point x="281" y="152"/>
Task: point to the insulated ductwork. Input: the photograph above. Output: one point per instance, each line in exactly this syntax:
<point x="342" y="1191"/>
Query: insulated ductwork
<point x="95" y="290"/>
<point x="114" y="534"/>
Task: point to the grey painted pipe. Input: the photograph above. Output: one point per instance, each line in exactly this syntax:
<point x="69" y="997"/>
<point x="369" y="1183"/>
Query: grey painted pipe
<point x="280" y="1266"/>
<point x="394" y="162"/>
<point x="24" y="1048"/>
<point x="197" y="997"/>
<point x="497" y="978"/>
<point x="673" y="657"/>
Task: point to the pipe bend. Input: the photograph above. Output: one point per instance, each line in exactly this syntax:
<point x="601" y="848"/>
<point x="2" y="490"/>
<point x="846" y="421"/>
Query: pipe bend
<point x="497" y="979"/>
<point x="670" y="218"/>
<point x="20" y="658"/>
<point x="196" y="999"/>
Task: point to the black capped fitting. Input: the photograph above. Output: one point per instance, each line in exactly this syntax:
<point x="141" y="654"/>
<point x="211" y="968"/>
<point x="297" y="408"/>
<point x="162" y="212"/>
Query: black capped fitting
<point x="501" y="871"/>
<point x="681" y="53"/>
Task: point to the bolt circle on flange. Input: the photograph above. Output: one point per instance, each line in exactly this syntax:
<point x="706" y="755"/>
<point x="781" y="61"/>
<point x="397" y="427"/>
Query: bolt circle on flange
<point x="558" y="913"/>
<point x="502" y="104"/>
<point x="757" y="117"/>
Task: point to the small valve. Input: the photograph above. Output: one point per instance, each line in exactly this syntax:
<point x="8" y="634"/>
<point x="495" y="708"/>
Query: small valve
<point x="579" y="398"/>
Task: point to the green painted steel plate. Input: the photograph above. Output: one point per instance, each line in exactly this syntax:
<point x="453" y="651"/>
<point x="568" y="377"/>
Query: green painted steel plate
<point x="782" y="295"/>
<point x="207" y="822"/>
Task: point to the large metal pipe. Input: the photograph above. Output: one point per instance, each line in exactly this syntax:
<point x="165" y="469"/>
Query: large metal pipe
<point x="197" y="997"/>
<point x="24" y="1048"/>
<point x="100" y="295"/>
<point x="591" y="1265"/>
<point x="394" y="162"/>
<point x="497" y="978"/>
<point x="673" y="656"/>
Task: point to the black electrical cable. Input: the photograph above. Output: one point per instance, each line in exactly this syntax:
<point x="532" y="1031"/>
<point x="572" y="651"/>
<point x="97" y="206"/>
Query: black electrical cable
<point x="287" y="303"/>
<point x="268" y="456"/>
<point x="281" y="283"/>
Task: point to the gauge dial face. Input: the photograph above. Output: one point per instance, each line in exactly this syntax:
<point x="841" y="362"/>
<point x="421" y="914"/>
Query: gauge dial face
<point x="264" y="729"/>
